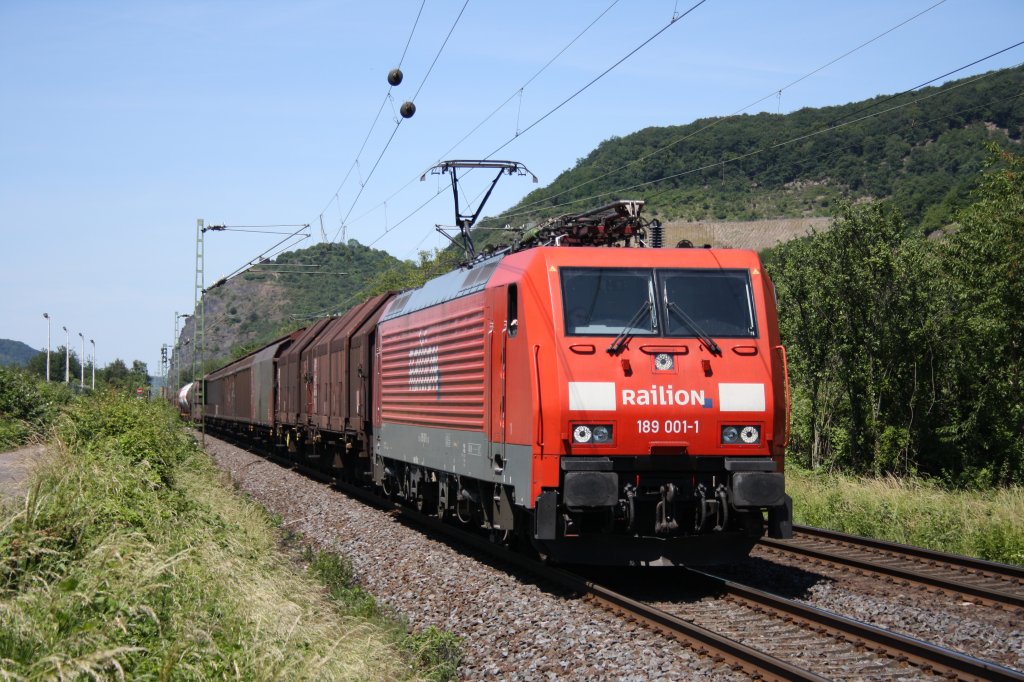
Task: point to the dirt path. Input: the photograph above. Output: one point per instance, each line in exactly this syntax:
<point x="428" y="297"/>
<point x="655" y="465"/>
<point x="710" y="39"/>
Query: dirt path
<point x="15" y="468"/>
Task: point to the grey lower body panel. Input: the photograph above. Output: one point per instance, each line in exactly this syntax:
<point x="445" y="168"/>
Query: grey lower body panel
<point x="465" y="453"/>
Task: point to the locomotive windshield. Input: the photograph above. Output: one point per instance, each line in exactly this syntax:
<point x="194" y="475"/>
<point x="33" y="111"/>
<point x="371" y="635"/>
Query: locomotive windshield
<point x="718" y="302"/>
<point x="603" y="301"/>
<point x="690" y="303"/>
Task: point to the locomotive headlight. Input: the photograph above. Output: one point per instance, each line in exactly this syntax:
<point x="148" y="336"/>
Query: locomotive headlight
<point x="592" y="434"/>
<point x="582" y="434"/>
<point x="602" y="433"/>
<point x="664" y="362"/>
<point x="741" y="435"/>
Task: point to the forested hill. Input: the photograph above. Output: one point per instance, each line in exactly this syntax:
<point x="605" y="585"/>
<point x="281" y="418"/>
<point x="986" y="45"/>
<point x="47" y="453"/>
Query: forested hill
<point x="15" y="352"/>
<point x="921" y="150"/>
<point x="279" y="296"/>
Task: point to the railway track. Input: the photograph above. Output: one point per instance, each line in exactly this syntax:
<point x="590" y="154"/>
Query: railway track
<point x="788" y="628"/>
<point x="857" y="649"/>
<point x="1000" y="586"/>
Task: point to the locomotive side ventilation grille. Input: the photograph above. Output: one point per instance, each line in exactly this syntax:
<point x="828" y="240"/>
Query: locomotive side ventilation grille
<point x="432" y="373"/>
<point x="399" y="305"/>
<point x="477" y="278"/>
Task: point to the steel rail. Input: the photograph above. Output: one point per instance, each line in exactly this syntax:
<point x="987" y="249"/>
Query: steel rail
<point x="908" y="553"/>
<point x="1006" y="570"/>
<point x="754" y="661"/>
<point x="928" y="657"/>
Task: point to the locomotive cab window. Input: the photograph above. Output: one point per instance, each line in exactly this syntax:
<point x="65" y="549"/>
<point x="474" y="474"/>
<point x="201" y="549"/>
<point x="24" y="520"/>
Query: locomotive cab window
<point x="718" y="303"/>
<point x="688" y="303"/>
<point x="604" y="301"/>
<point x="512" y="310"/>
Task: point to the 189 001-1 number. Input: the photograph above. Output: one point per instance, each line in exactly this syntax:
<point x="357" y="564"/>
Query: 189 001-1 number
<point x="667" y="426"/>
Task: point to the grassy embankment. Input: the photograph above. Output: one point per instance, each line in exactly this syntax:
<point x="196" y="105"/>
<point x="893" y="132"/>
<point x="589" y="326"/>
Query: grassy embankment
<point x="28" y="407"/>
<point x="129" y="558"/>
<point x="988" y="524"/>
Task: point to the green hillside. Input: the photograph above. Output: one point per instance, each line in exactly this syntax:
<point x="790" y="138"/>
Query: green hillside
<point x="924" y="157"/>
<point x="15" y="352"/>
<point x="279" y="296"/>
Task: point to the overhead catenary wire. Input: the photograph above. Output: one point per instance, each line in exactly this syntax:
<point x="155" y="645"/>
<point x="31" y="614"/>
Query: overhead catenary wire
<point x="830" y="153"/>
<point x="239" y="228"/>
<point x="927" y="83"/>
<point x="761" y="150"/>
<point x="532" y="78"/>
<point x="266" y="254"/>
<point x="257" y="271"/>
<point x="355" y="295"/>
<point x="440" y="50"/>
<point x="776" y="92"/>
<point x="495" y="111"/>
<point x="672" y="22"/>
<point x="830" y="126"/>
<point x="235" y="229"/>
<point x="601" y="75"/>
<point x="376" y="118"/>
<point x="398" y="122"/>
<point x="769" y="95"/>
<point x="717" y="121"/>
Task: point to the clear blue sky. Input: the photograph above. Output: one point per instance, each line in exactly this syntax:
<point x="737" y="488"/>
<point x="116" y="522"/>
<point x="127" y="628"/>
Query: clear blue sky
<point x="121" y="123"/>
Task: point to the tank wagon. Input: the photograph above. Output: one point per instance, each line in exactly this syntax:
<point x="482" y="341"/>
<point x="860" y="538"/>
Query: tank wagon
<point x="607" y="405"/>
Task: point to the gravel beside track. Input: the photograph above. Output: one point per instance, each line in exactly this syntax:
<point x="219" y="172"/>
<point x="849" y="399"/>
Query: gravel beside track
<point x="512" y="629"/>
<point x="939" y="618"/>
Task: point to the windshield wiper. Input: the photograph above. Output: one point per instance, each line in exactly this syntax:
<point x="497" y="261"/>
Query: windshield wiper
<point x="620" y="341"/>
<point x="701" y="334"/>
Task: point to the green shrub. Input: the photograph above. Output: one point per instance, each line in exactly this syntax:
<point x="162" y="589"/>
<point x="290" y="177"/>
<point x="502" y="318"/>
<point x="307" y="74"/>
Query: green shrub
<point x="129" y="558"/>
<point x="28" y="407"/>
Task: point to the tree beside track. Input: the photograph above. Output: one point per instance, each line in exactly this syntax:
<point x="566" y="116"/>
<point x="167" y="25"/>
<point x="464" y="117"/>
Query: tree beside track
<point x="906" y="353"/>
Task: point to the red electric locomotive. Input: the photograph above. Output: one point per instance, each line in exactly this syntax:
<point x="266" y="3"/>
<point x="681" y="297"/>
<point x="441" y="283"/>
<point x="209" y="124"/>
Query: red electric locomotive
<point x="609" y="405"/>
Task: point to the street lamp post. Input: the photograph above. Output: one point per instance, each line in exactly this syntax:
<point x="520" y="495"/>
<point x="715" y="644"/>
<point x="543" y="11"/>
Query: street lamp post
<point x="47" y="316"/>
<point x="67" y="355"/>
<point x="82" y="384"/>
<point x="93" y="363"/>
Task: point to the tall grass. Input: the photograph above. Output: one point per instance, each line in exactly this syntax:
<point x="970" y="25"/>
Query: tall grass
<point x="434" y="651"/>
<point x="987" y="524"/>
<point x="130" y="559"/>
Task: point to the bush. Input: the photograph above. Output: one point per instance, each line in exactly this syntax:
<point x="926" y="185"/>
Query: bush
<point x="28" y="407"/>
<point x="130" y="559"/>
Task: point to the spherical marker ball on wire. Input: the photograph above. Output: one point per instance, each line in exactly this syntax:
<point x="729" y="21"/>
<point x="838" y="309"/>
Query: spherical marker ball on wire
<point x="395" y="76"/>
<point x="407" y="109"/>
